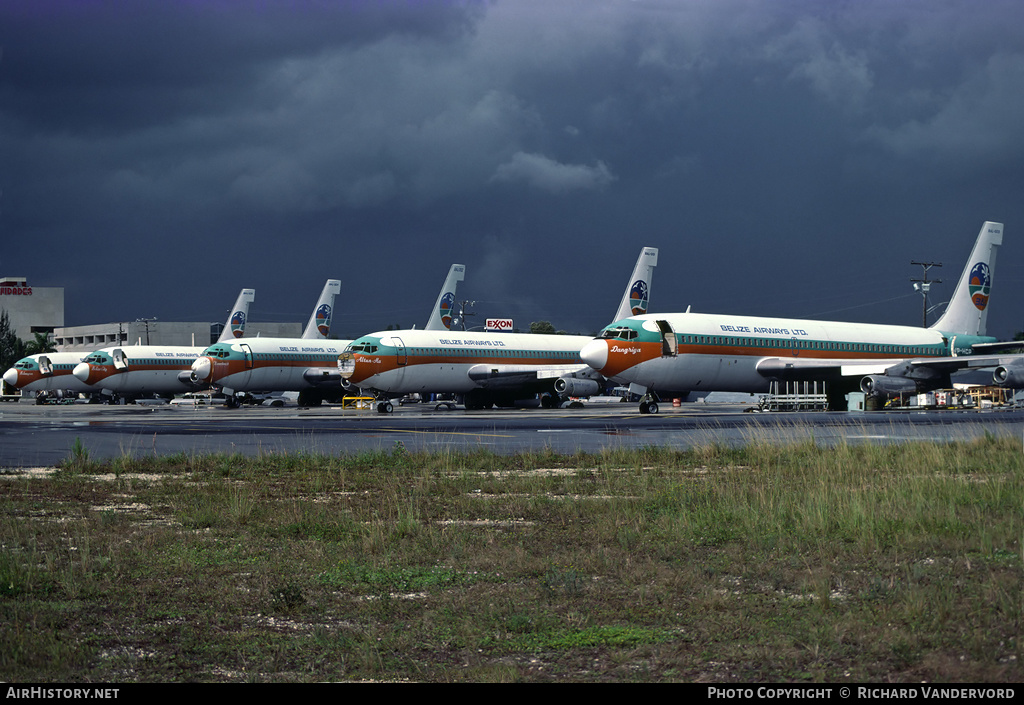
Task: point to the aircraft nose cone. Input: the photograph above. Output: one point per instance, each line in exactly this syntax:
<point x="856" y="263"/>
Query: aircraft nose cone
<point x="82" y="371"/>
<point x="595" y="354"/>
<point x="201" y="368"/>
<point x="11" y="377"/>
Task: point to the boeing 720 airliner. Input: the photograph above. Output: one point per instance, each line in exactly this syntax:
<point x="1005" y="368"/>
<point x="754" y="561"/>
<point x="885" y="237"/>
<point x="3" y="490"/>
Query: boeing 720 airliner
<point x="675" y="353"/>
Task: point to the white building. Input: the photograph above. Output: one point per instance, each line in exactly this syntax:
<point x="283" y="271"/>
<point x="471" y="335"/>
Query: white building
<point x="31" y="309"/>
<point x="156" y="332"/>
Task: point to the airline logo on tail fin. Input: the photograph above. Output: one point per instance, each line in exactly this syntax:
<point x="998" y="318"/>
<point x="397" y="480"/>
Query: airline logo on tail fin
<point x="323" y="320"/>
<point x="639" y="295"/>
<point x="238" y="323"/>
<point x="446" y="309"/>
<point x="979" y="285"/>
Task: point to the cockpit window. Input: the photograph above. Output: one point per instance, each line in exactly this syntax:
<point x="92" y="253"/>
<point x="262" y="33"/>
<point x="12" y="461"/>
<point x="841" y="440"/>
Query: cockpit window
<point x="619" y="333"/>
<point x="363" y="348"/>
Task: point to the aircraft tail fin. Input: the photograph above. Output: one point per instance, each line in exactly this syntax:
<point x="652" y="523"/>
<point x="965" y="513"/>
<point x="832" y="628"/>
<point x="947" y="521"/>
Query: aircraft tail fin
<point x="441" y="315"/>
<point x="638" y="289"/>
<point x="239" y="316"/>
<point x="319" y="324"/>
<point x="967" y="311"/>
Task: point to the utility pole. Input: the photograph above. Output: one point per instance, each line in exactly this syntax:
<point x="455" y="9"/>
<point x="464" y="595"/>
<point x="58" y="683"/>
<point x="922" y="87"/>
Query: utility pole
<point x="463" y="313"/>
<point x="924" y="285"/>
<point x="146" y="322"/>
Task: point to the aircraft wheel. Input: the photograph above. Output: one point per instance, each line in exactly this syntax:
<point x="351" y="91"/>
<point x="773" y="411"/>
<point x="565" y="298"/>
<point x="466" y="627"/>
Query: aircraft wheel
<point x="385" y="407"/>
<point x="645" y="408"/>
<point x="652" y="408"/>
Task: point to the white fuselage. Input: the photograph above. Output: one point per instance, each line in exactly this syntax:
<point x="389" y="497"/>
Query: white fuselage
<point x="47" y="372"/>
<point x="411" y="361"/>
<point x="139" y="369"/>
<point x="270" y="364"/>
<point x="722" y="353"/>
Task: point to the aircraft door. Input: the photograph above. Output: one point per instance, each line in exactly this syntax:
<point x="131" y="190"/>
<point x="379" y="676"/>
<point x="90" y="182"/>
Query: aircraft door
<point x="120" y="360"/>
<point x="45" y="366"/>
<point x="400" y="353"/>
<point x="247" y="352"/>
<point x="669" y="342"/>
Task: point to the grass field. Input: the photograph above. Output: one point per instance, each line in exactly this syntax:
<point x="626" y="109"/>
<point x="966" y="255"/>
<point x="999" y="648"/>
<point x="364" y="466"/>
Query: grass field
<point x="777" y="561"/>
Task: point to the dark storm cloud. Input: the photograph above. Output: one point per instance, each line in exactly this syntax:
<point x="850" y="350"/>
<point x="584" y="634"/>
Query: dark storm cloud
<point x="156" y="61"/>
<point x="788" y="158"/>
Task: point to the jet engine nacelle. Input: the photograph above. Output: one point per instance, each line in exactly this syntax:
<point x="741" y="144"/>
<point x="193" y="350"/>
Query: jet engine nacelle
<point x="189" y="377"/>
<point x="322" y="377"/>
<point x="1010" y="376"/>
<point x="884" y="384"/>
<point x="576" y="387"/>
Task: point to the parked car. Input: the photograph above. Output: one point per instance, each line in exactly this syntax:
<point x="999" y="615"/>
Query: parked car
<point x="191" y="399"/>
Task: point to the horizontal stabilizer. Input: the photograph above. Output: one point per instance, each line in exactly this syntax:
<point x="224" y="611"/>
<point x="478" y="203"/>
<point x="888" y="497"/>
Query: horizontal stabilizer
<point x="1008" y="347"/>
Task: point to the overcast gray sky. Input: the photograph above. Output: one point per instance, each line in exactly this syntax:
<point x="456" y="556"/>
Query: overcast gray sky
<point x="787" y="157"/>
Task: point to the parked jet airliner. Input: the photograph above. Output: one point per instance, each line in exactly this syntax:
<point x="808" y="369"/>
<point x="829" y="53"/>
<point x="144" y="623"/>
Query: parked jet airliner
<point x="129" y="371"/>
<point x="55" y="370"/>
<point x="289" y="365"/>
<point x="675" y="353"/>
<point x="47" y="372"/>
<point x="485" y="368"/>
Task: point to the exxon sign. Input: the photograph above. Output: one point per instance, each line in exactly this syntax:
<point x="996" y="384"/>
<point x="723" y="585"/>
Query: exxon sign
<point x="498" y="324"/>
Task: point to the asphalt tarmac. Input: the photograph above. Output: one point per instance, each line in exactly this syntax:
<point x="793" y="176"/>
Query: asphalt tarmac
<point x="42" y="436"/>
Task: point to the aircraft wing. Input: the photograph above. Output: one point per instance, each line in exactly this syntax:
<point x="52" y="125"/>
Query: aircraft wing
<point x="900" y="375"/>
<point x="799" y="369"/>
<point x="513" y="376"/>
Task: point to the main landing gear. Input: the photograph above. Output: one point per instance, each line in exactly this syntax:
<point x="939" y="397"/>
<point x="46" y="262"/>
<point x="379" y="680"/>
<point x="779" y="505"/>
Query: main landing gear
<point x="649" y="404"/>
<point x="385" y="407"/>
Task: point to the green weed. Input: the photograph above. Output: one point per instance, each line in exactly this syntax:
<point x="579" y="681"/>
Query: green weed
<point x="775" y="560"/>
